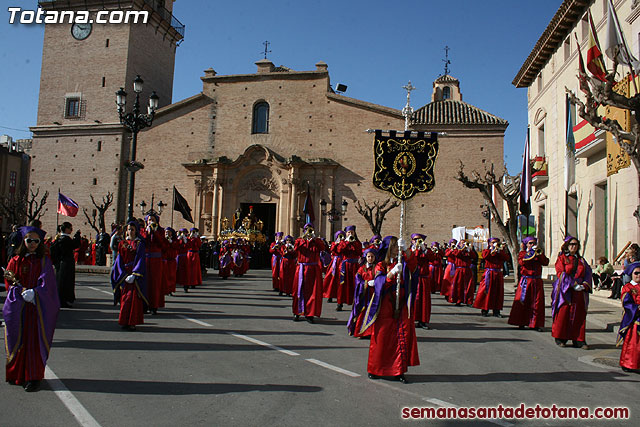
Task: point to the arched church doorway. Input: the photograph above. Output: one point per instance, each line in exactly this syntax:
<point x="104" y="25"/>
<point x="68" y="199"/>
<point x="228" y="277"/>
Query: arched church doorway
<point x="266" y="212"/>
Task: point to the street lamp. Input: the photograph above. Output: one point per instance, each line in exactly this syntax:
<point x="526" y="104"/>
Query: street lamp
<point x="160" y="205"/>
<point x="333" y="214"/>
<point x="135" y="121"/>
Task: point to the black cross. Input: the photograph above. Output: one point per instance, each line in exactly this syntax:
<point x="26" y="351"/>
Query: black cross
<point x="266" y="48"/>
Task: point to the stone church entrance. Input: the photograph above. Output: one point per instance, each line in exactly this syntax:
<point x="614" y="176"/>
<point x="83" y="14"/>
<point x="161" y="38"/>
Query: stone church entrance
<point x="266" y="212"/>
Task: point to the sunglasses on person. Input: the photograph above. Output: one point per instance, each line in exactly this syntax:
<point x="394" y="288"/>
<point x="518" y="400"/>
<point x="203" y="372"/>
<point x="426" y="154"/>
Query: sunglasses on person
<point x="636" y="272"/>
<point x="29" y="240"/>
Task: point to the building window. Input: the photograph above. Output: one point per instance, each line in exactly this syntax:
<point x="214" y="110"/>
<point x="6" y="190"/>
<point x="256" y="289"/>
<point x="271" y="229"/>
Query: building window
<point x="13" y="179"/>
<point x="567" y="48"/>
<point x="541" y="150"/>
<point x="539" y="82"/>
<point x="446" y="92"/>
<point x="99" y="145"/>
<point x="72" y="108"/>
<point x="584" y="23"/>
<point x="95" y="181"/>
<point x="260" y="118"/>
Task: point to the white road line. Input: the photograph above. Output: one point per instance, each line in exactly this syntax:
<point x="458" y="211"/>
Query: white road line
<point x="333" y="368"/>
<point x="444" y="404"/>
<point x="83" y="416"/>
<point x="265" y="344"/>
<point x="100" y="290"/>
<point x="198" y="322"/>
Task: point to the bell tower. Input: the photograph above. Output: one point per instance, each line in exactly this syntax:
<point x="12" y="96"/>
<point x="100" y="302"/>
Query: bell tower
<point x="79" y="145"/>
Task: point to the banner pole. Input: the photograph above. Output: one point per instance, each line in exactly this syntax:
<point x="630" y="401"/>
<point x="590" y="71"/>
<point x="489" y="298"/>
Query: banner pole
<point x="58" y="212"/>
<point x="173" y="204"/>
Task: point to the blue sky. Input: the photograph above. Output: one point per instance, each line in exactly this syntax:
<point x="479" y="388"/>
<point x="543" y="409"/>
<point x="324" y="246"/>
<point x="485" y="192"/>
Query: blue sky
<point x="373" y="46"/>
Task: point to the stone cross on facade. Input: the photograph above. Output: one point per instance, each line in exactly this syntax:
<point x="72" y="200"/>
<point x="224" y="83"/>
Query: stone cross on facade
<point x="407" y="111"/>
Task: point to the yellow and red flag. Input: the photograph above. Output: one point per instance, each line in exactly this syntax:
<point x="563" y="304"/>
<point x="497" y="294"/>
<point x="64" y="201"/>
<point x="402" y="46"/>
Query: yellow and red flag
<point x="595" y="63"/>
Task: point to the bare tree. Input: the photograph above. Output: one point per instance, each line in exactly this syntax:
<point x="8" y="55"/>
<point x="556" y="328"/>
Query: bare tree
<point x="35" y="206"/>
<point x="508" y="188"/>
<point x="374" y="214"/>
<point x="599" y="93"/>
<point x="22" y="209"/>
<point x="96" y="220"/>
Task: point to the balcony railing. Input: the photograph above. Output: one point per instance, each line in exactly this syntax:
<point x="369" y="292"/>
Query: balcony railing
<point x="155" y="5"/>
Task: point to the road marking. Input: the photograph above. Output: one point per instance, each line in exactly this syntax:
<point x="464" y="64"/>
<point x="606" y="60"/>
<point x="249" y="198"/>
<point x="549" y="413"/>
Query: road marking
<point x="333" y="368"/>
<point x="83" y="416"/>
<point x="265" y="344"/>
<point x="100" y="290"/>
<point x="198" y="322"/>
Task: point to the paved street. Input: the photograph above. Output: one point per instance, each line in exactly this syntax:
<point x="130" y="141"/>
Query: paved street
<point x="229" y="354"/>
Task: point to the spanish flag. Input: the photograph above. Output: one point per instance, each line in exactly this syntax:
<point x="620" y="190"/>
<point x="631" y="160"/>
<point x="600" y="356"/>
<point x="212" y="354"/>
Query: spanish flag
<point x="595" y="63"/>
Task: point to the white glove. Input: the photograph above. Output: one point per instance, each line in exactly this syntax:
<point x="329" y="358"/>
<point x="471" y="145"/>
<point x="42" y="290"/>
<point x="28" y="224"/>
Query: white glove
<point x="371" y="283"/>
<point x="184" y="239"/>
<point x="397" y="269"/>
<point x="578" y="287"/>
<point x="423" y="247"/>
<point x="29" y="295"/>
<point x="130" y="278"/>
<point x="401" y="244"/>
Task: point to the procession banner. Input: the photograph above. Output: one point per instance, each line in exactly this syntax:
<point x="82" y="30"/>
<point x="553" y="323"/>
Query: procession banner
<point x="404" y="164"/>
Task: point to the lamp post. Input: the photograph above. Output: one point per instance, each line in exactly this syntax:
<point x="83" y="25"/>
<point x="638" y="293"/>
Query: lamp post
<point x="135" y="121"/>
<point x="160" y="207"/>
<point x="333" y="214"/>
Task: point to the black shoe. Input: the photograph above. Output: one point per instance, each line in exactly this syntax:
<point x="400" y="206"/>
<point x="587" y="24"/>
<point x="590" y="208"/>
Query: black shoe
<point x="402" y="379"/>
<point x="375" y="377"/>
<point x="521" y="327"/>
<point x="484" y="313"/>
<point x="309" y="319"/>
<point x="469" y="305"/>
<point x="458" y="304"/>
<point x="330" y="300"/>
<point x="539" y="329"/>
<point x="31" y="386"/>
<point x="132" y="327"/>
<point x="193" y="287"/>
<point x="580" y="344"/>
<point x="339" y="307"/>
<point x="425" y="326"/>
<point x="561" y="343"/>
<point x="280" y="294"/>
<point x="154" y="311"/>
<point x="186" y="288"/>
<point x="65" y="305"/>
<point x="497" y="314"/>
<point x="296" y="318"/>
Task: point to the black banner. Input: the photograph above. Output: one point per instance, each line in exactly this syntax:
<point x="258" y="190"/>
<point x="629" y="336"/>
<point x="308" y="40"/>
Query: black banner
<point x="180" y="204"/>
<point x="404" y="164"/>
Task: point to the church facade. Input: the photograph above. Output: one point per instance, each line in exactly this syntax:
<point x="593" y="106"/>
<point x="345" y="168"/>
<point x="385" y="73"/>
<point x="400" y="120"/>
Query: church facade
<point x="266" y="139"/>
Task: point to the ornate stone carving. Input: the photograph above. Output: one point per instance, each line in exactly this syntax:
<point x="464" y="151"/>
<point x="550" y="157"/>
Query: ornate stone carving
<point x="204" y="185"/>
<point x="260" y="184"/>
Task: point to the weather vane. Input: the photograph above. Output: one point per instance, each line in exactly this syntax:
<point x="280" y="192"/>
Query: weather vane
<point x="266" y="48"/>
<point x="446" y="60"/>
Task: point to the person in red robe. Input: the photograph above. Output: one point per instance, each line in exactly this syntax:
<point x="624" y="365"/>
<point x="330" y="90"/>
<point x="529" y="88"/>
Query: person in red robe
<point x="363" y="294"/>
<point x="463" y="284"/>
<point x="528" y="303"/>
<point x="629" y="332"/>
<point x="423" y="255"/>
<point x="435" y="267"/>
<point x="491" y="290"/>
<point x="246" y="251"/>
<point x="274" y="250"/>
<point x="288" y="263"/>
<point x="449" y="271"/>
<point x="169" y="256"/>
<point x="182" y="264"/>
<point x="393" y="347"/>
<point x="351" y="251"/>
<point x="224" y="270"/>
<point x="307" y="284"/>
<point x="128" y="278"/>
<point x="332" y="273"/>
<point x="154" y="243"/>
<point x="570" y="295"/>
<point x="30" y="310"/>
<point x="193" y="258"/>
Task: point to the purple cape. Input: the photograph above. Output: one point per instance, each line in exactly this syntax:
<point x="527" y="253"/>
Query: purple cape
<point x="409" y="282"/>
<point x="631" y="315"/>
<point x="358" y="303"/>
<point x="561" y="291"/>
<point x="138" y="267"/>
<point x="47" y="305"/>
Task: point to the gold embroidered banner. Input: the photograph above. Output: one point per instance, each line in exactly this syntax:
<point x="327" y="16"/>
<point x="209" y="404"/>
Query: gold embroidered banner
<point x="616" y="157"/>
<point x="404" y="164"/>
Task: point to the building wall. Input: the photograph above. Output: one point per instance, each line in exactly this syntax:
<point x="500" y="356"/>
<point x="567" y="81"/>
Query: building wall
<point x="304" y="121"/>
<point x="547" y="107"/>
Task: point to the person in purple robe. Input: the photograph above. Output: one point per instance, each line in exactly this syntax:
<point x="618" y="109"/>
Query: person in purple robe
<point x="128" y="279"/>
<point x="30" y="310"/>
